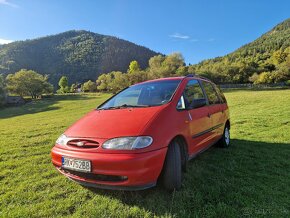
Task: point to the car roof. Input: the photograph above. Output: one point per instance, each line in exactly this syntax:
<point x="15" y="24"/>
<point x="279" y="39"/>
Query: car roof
<point x="176" y="78"/>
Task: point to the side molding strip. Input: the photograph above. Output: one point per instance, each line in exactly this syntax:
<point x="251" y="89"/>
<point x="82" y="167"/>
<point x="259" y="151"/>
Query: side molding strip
<point x="207" y="131"/>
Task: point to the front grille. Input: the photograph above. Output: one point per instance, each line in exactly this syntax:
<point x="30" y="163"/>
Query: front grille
<point x="83" y="143"/>
<point x="96" y="177"/>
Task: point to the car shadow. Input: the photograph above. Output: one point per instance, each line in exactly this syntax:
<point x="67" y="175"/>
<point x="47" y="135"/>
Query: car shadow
<point x="39" y="105"/>
<point x="246" y="179"/>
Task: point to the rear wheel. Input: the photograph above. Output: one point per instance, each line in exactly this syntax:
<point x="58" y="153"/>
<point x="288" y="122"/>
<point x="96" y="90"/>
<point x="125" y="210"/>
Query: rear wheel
<point x="224" y="142"/>
<point x="172" y="167"/>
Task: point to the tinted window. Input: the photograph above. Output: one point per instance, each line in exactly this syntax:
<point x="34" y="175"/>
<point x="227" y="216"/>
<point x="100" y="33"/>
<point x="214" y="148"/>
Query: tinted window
<point x="211" y="93"/>
<point x="144" y="94"/>
<point x="192" y="92"/>
<point x="220" y="94"/>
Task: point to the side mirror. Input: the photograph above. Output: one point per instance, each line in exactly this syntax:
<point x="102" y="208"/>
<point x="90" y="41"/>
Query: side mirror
<point x="197" y="103"/>
<point x="181" y="104"/>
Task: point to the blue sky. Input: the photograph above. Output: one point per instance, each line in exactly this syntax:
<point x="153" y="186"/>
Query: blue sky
<point x="199" y="29"/>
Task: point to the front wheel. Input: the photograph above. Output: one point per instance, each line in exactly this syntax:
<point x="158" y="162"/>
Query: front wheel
<point x="224" y="142"/>
<point x="172" y="167"/>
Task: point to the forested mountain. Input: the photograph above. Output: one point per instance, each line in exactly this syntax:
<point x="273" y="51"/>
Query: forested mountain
<point x="269" y="54"/>
<point x="80" y="55"/>
<point x="83" y="56"/>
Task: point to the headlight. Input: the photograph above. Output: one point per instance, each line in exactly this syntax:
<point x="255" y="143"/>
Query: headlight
<point x="128" y="143"/>
<point x="62" y="140"/>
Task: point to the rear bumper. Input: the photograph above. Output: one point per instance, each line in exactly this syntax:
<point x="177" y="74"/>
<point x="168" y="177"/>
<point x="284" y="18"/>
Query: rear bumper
<point x="115" y="171"/>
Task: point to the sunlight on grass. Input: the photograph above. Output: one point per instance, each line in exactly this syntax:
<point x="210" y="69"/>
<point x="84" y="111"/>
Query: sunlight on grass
<point x="251" y="178"/>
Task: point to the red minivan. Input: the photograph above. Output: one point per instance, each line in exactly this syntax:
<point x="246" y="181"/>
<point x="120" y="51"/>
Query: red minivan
<point x="146" y="132"/>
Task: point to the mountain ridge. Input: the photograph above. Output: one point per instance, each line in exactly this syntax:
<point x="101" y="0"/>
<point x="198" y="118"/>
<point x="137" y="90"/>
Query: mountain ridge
<point x="260" y="55"/>
<point x="78" y="54"/>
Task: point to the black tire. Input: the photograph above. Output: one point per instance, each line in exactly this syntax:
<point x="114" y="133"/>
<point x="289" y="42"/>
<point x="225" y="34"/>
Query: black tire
<point x="225" y="141"/>
<point x="172" y="170"/>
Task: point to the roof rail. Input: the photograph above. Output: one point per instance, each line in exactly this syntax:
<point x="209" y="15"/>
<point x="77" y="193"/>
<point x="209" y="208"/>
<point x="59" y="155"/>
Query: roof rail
<point x="198" y="76"/>
<point x="202" y="77"/>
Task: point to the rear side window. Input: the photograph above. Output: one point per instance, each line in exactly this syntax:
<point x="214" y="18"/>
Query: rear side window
<point x="211" y="93"/>
<point x="220" y="94"/>
<point x="192" y="92"/>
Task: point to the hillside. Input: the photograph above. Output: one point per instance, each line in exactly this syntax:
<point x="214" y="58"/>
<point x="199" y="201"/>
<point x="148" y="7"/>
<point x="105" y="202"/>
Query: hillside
<point x="269" y="53"/>
<point x="81" y="55"/>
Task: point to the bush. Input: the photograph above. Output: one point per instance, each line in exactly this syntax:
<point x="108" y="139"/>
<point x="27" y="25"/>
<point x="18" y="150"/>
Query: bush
<point x="63" y="90"/>
<point x="89" y="86"/>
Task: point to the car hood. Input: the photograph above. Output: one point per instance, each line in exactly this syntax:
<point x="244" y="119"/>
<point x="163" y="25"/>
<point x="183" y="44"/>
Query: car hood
<point x="113" y="123"/>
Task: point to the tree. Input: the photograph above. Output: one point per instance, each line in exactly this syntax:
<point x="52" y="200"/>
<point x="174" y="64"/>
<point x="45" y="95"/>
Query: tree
<point x="191" y="69"/>
<point x="2" y="90"/>
<point x="119" y="81"/>
<point x="254" y="78"/>
<point x="182" y="71"/>
<point x="155" y="64"/>
<point x="134" y="67"/>
<point x="135" y="74"/>
<point x="89" y="86"/>
<point x="282" y="74"/>
<point x="136" y="77"/>
<point x="103" y="82"/>
<point x="264" y="77"/>
<point x="63" y="84"/>
<point x="279" y="56"/>
<point x="171" y="63"/>
<point x="73" y="87"/>
<point x="28" y="82"/>
<point x="165" y="66"/>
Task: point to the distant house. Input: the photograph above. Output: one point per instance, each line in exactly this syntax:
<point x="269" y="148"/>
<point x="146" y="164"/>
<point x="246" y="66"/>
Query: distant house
<point x="15" y="100"/>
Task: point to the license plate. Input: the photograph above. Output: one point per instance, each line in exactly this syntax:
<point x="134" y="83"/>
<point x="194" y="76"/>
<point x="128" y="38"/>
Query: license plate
<point x="76" y="164"/>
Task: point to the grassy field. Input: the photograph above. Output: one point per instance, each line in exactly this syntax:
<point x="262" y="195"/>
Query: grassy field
<point x="251" y="178"/>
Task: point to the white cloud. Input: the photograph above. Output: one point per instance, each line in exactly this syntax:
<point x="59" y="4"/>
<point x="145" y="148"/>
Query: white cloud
<point x="5" y="41"/>
<point x="211" y="40"/>
<point x="179" y="36"/>
<point x="5" y="2"/>
<point x="186" y="37"/>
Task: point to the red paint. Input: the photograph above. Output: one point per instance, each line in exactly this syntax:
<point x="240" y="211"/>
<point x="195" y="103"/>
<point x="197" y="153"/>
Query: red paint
<point x="163" y="123"/>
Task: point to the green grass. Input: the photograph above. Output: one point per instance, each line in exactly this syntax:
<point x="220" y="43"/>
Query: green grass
<point x="249" y="179"/>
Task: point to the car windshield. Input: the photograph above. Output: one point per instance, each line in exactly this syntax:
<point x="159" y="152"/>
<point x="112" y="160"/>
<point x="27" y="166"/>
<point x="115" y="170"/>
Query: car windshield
<point x="143" y="95"/>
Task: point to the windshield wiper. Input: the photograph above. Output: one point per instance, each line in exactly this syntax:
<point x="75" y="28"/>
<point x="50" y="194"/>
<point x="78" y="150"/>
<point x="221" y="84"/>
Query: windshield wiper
<point x="139" y="105"/>
<point x="123" y="106"/>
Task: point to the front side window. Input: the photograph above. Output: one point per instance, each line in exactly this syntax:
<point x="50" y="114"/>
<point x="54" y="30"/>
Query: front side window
<point x="211" y="93"/>
<point x="143" y="95"/>
<point x="191" y="94"/>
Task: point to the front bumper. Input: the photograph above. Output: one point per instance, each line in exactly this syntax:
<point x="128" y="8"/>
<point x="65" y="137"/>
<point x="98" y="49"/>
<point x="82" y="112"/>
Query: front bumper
<point x="114" y="171"/>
